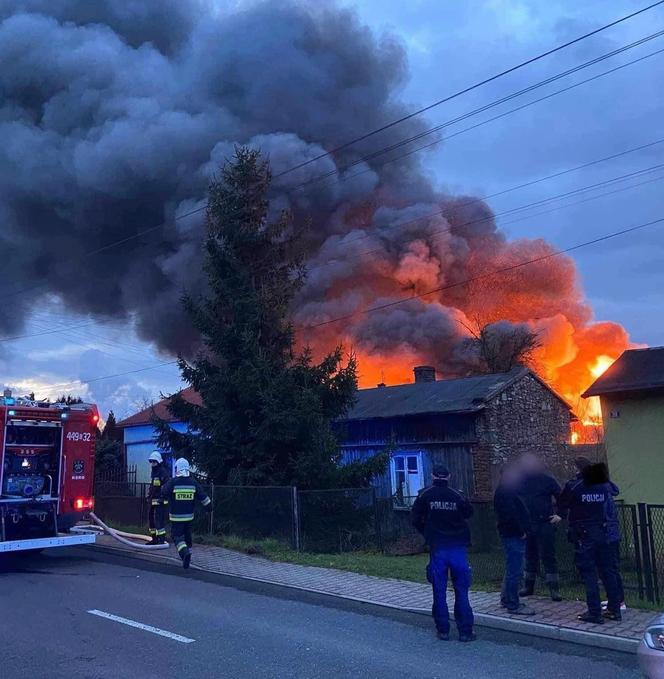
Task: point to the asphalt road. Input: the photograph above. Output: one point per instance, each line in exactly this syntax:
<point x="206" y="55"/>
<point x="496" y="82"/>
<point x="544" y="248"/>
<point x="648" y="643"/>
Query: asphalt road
<point x="47" y="631"/>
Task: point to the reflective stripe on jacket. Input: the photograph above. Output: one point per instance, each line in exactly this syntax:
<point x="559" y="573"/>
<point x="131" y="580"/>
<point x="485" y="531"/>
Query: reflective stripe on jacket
<point x="159" y="477"/>
<point x="182" y="492"/>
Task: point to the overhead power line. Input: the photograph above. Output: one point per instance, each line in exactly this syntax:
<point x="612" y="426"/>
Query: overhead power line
<point x="470" y="88"/>
<point x="152" y="229"/>
<point x="502" y="192"/>
<point x="473" y="222"/>
<point x="497" y="102"/>
<point x="522" y="208"/>
<point x="489" y="274"/>
<point x="65" y="385"/>
<point x="398" y="302"/>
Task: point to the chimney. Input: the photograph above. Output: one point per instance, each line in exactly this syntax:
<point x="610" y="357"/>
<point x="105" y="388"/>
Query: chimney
<point x="424" y="373"/>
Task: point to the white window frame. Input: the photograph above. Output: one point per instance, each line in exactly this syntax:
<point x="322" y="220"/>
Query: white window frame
<point x="408" y="498"/>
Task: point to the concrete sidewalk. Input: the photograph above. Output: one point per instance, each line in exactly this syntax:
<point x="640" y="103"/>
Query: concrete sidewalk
<point x="552" y="620"/>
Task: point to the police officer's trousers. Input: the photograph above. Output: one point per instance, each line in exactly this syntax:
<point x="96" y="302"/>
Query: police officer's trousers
<point x="593" y="557"/>
<point x="541" y="546"/>
<point x="157" y="518"/>
<point x="451" y="562"/>
<point x="181" y="534"/>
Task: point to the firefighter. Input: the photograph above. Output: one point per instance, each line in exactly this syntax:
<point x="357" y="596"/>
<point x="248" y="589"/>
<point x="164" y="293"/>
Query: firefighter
<point x="182" y="493"/>
<point x="588" y="501"/>
<point x="440" y="513"/>
<point x="159" y="476"/>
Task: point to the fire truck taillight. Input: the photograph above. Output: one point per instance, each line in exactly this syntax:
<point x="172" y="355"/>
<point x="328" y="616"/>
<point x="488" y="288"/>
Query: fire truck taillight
<point x="95" y="419"/>
<point x="83" y="503"/>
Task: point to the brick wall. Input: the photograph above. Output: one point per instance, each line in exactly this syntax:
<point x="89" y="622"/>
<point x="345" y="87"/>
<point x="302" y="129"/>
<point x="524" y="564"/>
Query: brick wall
<point x="525" y="418"/>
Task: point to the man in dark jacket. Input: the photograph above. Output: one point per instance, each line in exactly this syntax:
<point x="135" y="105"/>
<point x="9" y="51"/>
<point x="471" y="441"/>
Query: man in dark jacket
<point x="182" y="493"/>
<point x="539" y="492"/>
<point x="513" y="527"/>
<point x="440" y="514"/>
<point x="159" y="476"/>
<point x="589" y="505"/>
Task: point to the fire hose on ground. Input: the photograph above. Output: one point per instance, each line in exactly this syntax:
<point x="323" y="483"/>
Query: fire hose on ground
<point x="129" y="539"/>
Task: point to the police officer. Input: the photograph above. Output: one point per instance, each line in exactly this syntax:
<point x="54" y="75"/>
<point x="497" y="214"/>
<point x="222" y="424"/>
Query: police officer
<point x="440" y="514"/>
<point x="539" y="491"/>
<point x="588" y="502"/>
<point x="159" y="475"/>
<point x="182" y="493"/>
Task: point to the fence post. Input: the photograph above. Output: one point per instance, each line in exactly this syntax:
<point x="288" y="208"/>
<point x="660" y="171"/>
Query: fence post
<point x="211" y="529"/>
<point x="377" y="522"/>
<point x="637" y="551"/>
<point x="654" y="557"/>
<point x="646" y="560"/>
<point x="296" y="519"/>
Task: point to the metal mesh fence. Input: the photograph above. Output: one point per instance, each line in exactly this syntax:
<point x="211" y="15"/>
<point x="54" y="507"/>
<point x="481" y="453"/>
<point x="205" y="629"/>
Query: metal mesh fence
<point x="656" y="549"/>
<point x="338" y="520"/>
<point x="254" y="512"/>
<point x="123" y="504"/>
<point x="334" y="521"/>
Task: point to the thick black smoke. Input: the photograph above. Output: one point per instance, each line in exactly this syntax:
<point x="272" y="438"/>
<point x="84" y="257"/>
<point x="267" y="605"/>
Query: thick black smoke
<point x="115" y="113"/>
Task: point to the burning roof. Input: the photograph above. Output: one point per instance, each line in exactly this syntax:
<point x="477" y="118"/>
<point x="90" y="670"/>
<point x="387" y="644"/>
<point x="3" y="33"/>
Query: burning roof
<point x="635" y="370"/>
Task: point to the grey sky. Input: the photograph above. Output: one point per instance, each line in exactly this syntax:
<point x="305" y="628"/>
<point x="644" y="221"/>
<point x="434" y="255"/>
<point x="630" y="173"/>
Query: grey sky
<point x="451" y="44"/>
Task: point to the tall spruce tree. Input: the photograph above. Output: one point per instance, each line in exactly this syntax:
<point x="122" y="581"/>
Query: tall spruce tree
<point x="267" y="408"/>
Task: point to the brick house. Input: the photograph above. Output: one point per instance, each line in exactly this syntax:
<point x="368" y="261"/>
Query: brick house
<point x="471" y="424"/>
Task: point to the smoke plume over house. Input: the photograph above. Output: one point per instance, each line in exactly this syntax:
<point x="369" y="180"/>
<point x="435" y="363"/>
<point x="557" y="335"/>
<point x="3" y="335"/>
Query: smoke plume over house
<point x="115" y="113"/>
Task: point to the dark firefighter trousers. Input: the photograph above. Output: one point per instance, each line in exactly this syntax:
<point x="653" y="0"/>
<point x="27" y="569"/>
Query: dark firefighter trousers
<point x="157" y="518"/>
<point x="181" y="535"/>
<point x="541" y="546"/>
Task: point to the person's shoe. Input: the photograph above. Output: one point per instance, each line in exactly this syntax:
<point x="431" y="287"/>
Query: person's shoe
<point x="612" y="615"/>
<point x="465" y="638"/>
<point x="528" y="589"/>
<point x="186" y="560"/>
<point x="555" y="593"/>
<point x="623" y="606"/>
<point x="521" y="610"/>
<point x="591" y="618"/>
<point x="443" y="636"/>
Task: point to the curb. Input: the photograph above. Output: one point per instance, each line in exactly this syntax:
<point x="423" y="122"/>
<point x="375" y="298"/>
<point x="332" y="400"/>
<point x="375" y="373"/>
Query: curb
<point x="533" y="629"/>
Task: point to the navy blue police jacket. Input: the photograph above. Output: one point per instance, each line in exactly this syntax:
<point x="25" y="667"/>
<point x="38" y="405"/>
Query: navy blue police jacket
<point x="440" y="514"/>
<point x="588" y="502"/>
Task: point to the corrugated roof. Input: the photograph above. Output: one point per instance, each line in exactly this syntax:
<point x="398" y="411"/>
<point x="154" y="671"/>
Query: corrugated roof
<point x="159" y="409"/>
<point x="463" y="395"/>
<point x="635" y="370"/>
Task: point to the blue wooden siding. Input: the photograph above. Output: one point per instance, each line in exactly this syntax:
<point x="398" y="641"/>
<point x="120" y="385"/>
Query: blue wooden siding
<point x="139" y="442"/>
<point x="457" y="457"/>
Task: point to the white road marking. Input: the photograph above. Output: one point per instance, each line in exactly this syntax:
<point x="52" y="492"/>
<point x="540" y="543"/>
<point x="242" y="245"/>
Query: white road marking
<point x="140" y="625"/>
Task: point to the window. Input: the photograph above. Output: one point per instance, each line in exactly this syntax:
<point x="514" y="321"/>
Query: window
<point x="407" y="478"/>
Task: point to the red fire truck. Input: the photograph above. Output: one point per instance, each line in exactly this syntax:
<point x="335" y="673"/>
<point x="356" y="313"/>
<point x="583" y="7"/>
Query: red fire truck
<point x="47" y="454"/>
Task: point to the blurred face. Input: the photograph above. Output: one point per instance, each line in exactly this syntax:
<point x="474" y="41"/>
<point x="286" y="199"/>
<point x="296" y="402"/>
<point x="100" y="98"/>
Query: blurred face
<point x="531" y="464"/>
<point x="511" y="477"/>
<point x="153" y="463"/>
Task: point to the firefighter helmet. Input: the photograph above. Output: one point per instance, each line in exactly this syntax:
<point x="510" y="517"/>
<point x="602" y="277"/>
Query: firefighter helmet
<point x="155" y="456"/>
<point x="182" y="467"/>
